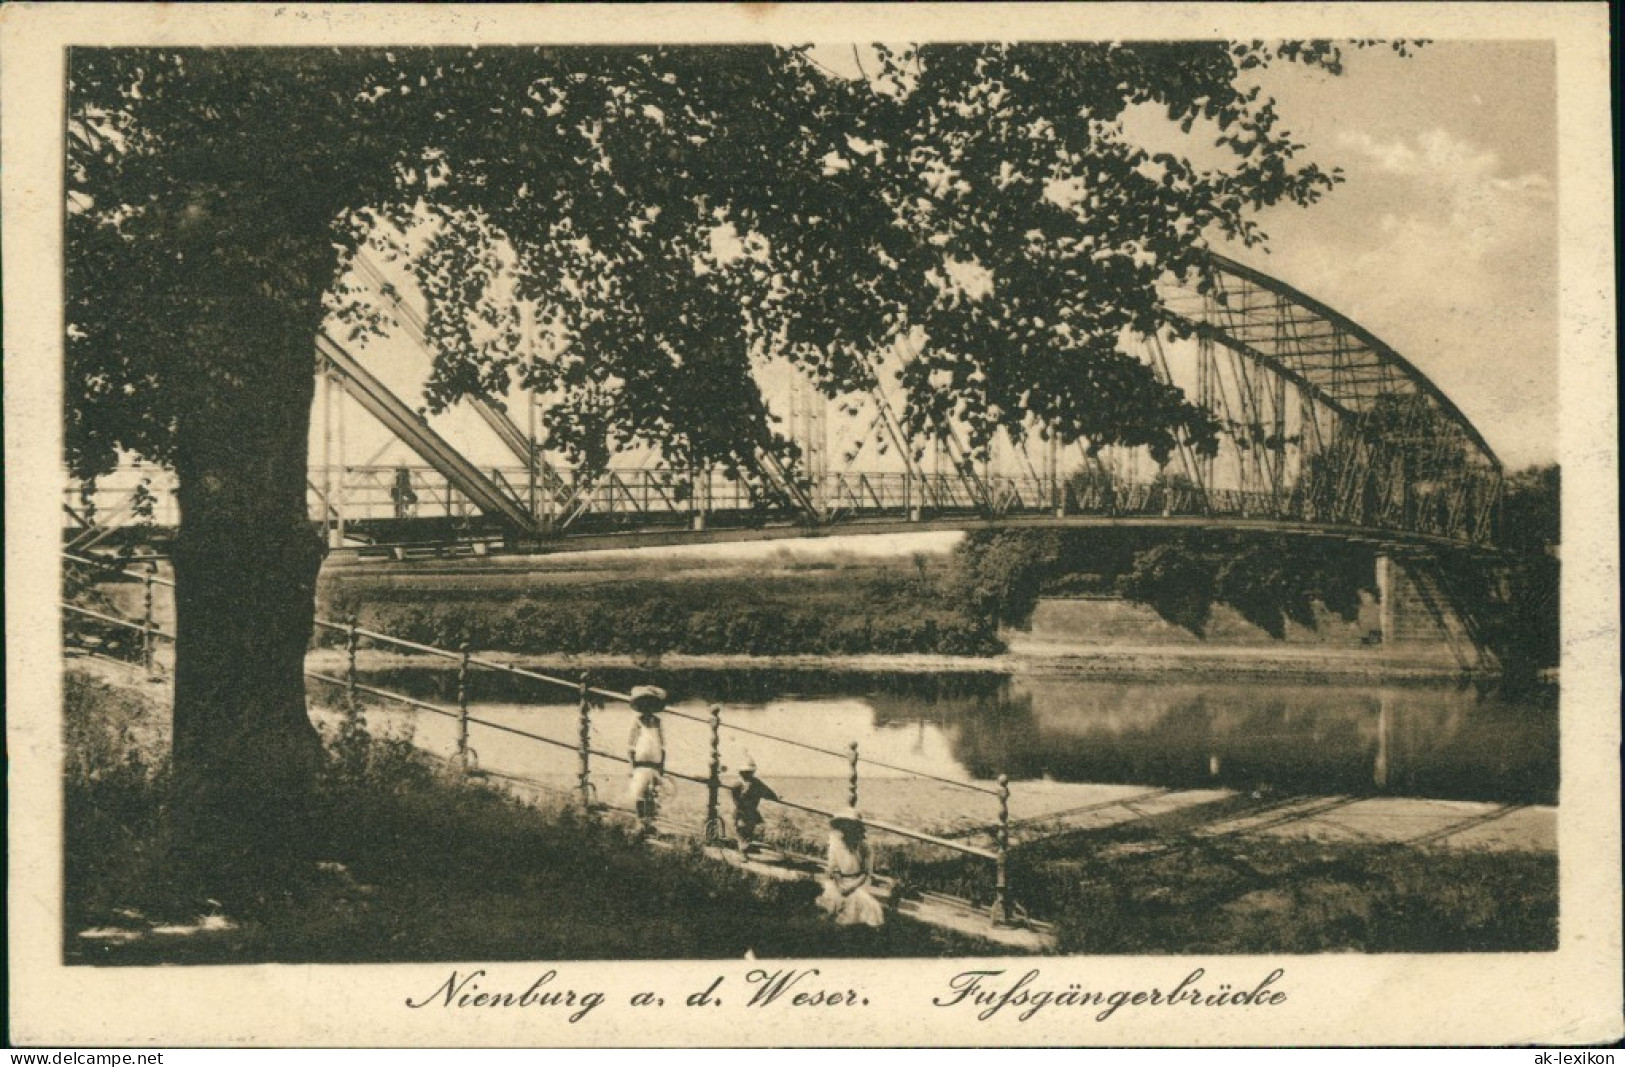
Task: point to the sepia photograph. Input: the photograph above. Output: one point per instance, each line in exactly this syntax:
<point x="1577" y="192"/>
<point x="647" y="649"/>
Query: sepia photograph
<point x="983" y="504"/>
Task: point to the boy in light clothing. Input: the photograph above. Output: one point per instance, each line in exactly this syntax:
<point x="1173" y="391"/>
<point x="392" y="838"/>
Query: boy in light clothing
<point x="646" y="751"/>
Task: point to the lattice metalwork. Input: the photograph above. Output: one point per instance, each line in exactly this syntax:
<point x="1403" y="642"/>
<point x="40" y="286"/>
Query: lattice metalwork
<point x="1373" y="441"/>
<point x="1323" y="425"/>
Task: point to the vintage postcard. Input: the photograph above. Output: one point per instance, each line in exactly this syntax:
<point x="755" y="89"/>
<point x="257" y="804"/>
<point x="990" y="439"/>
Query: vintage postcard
<point x="861" y="525"/>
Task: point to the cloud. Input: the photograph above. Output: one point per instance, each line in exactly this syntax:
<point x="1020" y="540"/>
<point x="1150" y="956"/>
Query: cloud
<point x="1432" y="246"/>
<point x="1441" y="170"/>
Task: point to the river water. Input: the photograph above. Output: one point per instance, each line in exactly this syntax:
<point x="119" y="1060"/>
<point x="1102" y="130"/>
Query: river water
<point x="1479" y="743"/>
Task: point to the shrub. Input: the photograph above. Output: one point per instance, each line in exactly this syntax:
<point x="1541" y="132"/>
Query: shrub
<point x="998" y="575"/>
<point x="116" y="796"/>
<point x="1173" y="580"/>
<point x="845" y="610"/>
<point x="1257" y="585"/>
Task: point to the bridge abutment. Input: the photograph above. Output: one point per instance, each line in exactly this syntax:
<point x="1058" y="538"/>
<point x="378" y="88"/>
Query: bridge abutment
<point x="1416" y="610"/>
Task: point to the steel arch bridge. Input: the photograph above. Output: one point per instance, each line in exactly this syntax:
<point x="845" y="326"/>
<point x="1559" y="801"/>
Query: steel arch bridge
<point x="1326" y="429"/>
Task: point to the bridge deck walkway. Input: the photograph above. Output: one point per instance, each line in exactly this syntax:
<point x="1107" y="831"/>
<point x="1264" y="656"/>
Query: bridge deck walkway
<point x="671" y="536"/>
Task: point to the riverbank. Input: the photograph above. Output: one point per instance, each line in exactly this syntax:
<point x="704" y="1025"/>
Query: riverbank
<point x="1024" y="656"/>
<point x="451" y="868"/>
<point x="659" y="606"/>
<point x="1001" y="603"/>
<point x="797" y="609"/>
<point x="415" y="862"/>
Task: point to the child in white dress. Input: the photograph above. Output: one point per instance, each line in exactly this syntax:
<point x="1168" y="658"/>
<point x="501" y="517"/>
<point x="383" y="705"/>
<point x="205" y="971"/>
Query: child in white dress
<point x="850" y="872"/>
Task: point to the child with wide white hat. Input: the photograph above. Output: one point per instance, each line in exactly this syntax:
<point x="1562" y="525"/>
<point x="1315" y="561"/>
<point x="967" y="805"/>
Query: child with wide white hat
<point x="646" y="752"/>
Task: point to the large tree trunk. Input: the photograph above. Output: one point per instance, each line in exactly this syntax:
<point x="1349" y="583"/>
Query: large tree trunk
<point x="246" y="559"/>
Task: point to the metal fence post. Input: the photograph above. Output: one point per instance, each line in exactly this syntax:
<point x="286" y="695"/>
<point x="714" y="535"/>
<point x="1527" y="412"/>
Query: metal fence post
<point x="462" y="705"/>
<point x="1001" y="871"/>
<point x="713" y="783"/>
<point x="351" y="641"/>
<point x="585" y="773"/>
<point x="146" y="625"/>
<point x="852" y="780"/>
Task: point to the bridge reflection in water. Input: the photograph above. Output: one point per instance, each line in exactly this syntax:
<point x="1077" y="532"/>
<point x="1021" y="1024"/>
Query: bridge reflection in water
<point x="1467" y="743"/>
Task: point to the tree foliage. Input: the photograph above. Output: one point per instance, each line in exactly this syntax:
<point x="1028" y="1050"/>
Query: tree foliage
<point x="1525" y="630"/>
<point x="1174" y="579"/>
<point x="1269" y="581"/>
<point x="1531" y="510"/>
<point x="997" y="575"/>
<point x="629" y="229"/>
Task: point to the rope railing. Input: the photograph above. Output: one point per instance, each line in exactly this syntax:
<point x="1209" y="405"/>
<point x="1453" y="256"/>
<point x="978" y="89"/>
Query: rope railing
<point x="900" y="831"/>
<point x="401" y="642"/>
<point x="116" y="621"/>
<point x="118" y="564"/>
<point x="521" y="672"/>
<point x="610" y="694"/>
<point x="474" y="661"/>
<point x="149" y="632"/>
<point x="839" y="755"/>
<point x="424" y="705"/>
<point x="386" y="694"/>
<point x="350" y="682"/>
<point x="444" y="712"/>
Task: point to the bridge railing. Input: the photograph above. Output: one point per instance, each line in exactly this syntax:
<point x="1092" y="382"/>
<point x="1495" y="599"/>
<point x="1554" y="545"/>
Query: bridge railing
<point x="370" y="493"/>
<point x="657" y="498"/>
<point x="588" y="700"/>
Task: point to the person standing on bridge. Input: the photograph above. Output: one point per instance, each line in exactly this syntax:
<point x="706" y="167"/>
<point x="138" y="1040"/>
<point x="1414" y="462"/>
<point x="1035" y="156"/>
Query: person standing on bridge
<point x="403" y="495"/>
<point x="646" y="752"/>
<point x="849" y="873"/>
<point x="748" y="793"/>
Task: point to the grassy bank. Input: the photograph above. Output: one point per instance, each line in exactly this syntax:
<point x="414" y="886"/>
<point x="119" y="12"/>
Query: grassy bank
<point x="1160" y="885"/>
<point x="416" y="863"/>
<point x="1166" y="884"/>
<point x="831" y="611"/>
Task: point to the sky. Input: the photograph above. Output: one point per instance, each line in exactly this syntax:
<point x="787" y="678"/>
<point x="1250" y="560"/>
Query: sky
<point x="1441" y="240"/>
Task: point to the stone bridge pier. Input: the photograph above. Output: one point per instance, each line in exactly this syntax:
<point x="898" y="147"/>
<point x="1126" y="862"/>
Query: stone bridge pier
<point x="1419" y="612"/>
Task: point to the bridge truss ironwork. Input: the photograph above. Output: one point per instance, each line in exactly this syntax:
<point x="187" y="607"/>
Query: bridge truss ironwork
<point x="1323" y="424"/>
